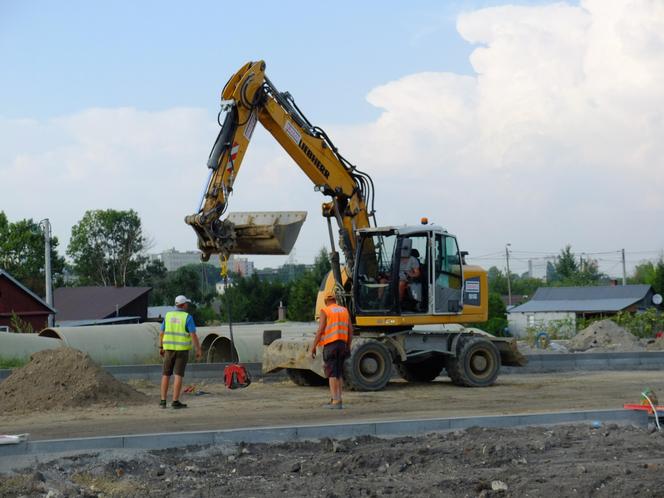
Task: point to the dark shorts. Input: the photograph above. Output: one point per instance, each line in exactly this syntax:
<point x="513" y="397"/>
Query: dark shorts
<point x="175" y="362"/>
<point x="334" y="355"/>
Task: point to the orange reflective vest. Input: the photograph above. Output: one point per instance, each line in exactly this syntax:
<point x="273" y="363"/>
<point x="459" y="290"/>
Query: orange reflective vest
<point x="337" y="325"/>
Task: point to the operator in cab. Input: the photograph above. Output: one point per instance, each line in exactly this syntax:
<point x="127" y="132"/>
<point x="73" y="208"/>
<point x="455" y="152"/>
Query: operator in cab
<point x="335" y="332"/>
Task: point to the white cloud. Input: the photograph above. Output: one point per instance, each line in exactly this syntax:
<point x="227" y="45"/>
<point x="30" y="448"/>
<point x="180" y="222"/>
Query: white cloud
<point x="557" y="139"/>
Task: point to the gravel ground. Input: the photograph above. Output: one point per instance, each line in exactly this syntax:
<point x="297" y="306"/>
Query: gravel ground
<point x="566" y="460"/>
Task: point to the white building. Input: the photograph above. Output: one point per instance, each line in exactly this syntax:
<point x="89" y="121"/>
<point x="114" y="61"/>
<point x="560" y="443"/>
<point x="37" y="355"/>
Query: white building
<point x="564" y="305"/>
<point x="174" y="259"/>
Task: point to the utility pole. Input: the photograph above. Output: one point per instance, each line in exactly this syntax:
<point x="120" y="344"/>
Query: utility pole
<point x="623" y="265"/>
<point x="46" y="227"/>
<point x="509" y="284"/>
<point x="530" y="268"/>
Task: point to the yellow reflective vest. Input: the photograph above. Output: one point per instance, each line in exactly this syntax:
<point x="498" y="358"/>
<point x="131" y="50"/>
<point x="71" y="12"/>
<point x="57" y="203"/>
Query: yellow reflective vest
<point x="176" y="337"/>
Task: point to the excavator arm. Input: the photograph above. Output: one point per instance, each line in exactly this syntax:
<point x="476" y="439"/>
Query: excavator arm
<point x="250" y="98"/>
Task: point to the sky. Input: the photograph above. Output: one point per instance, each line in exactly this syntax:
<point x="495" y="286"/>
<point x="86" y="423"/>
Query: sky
<point x="535" y="124"/>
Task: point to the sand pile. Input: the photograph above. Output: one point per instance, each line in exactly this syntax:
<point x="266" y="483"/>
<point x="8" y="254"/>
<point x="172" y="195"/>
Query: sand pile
<point x="63" y="378"/>
<point x="604" y="335"/>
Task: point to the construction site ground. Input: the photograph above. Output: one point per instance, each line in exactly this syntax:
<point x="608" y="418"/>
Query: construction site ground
<point x="585" y="459"/>
<point x="270" y="403"/>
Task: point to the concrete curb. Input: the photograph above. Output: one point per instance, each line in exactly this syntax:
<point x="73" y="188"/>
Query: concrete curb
<point x="537" y="363"/>
<point x="13" y="454"/>
<point x="561" y="362"/>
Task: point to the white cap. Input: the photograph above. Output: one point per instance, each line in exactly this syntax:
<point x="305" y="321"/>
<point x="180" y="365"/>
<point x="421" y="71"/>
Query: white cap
<point x="181" y="300"/>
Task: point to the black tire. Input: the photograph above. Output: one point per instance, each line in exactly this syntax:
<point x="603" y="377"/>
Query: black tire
<point x="422" y="371"/>
<point x="305" y="377"/>
<point x="369" y="367"/>
<point x="477" y="363"/>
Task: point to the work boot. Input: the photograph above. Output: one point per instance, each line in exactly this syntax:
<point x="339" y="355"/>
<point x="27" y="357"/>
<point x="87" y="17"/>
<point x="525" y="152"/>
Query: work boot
<point x="177" y="405"/>
<point x="162" y="403"/>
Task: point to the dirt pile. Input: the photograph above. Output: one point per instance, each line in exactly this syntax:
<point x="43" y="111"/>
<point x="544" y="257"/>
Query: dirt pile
<point x="62" y="378"/>
<point x="604" y="335"/>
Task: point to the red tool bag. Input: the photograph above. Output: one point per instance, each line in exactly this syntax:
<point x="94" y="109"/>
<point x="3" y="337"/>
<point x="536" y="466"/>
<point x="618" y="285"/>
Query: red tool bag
<point x="236" y="376"/>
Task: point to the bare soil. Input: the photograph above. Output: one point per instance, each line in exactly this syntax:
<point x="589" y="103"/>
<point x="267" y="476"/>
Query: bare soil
<point x="576" y="460"/>
<point x="562" y="461"/>
<point x="267" y="403"/>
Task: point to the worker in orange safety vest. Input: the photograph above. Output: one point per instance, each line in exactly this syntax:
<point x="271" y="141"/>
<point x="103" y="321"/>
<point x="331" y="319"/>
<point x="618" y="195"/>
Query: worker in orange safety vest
<point x="335" y="332"/>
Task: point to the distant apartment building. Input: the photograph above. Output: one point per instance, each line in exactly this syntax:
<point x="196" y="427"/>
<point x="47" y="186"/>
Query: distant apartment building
<point x="241" y="266"/>
<point x="174" y="259"/>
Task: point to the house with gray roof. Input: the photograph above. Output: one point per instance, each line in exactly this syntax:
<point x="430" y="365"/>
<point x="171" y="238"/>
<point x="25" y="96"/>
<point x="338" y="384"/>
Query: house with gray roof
<point x="567" y="304"/>
<point x="81" y="305"/>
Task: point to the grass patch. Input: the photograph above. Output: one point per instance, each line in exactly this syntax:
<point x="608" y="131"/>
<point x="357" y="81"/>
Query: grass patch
<point x="12" y="362"/>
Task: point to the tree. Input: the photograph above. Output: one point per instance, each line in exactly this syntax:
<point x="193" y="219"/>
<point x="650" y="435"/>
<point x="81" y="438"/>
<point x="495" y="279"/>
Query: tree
<point x="569" y="272"/>
<point x="106" y="247"/>
<point x="658" y="281"/>
<point x="22" y="253"/>
<point x="644" y="273"/>
<point x="650" y="273"/>
<point x="253" y="300"/>
<point x="526" y="286"/>
<point x="497" y="281"/>
<point x="565" y="265"/>
<point x="521" y="285"/>
<point x="304" y="291"/>
<point x="185" y="280"/>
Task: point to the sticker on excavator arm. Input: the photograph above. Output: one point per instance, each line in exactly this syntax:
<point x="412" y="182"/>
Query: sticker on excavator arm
<point x="251" y="125"/>
<point x="292" y="132"/>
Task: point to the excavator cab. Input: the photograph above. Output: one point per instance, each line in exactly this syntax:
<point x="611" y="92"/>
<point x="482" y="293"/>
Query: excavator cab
<point x="408" y="271"/>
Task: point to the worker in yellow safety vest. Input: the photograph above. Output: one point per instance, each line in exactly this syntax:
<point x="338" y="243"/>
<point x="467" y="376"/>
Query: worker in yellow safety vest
<point x="335" y="332"/>
<point x="178" y="333"/>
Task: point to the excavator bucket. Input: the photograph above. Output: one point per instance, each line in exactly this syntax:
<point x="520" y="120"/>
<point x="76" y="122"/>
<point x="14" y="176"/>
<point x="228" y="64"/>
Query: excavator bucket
<point x="266" y="232"/>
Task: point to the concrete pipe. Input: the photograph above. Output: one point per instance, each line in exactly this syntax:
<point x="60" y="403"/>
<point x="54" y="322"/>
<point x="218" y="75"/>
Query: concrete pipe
<point x="19" y="347"/>
<point x="216" y="345"/>
<point x="130" y="344"/>
<point x="247" y="338"/>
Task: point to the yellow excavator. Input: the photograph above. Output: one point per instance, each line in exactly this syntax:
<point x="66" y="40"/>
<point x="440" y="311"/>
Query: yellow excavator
<point x="408" y="288"/>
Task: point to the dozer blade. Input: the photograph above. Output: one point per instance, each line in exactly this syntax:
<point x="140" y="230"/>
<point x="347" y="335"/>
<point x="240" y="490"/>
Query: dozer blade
<point x="510" y="355"/>
<point x="292" y="353"/>
<point x="266" y="232"/>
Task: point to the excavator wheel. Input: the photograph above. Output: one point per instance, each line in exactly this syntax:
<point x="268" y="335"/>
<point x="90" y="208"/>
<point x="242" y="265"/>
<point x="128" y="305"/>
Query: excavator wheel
<point x="477" y="363"/>
<point x="422" y="371"/>
<point x="305" y="377"/>
<point x="369" y="367"/>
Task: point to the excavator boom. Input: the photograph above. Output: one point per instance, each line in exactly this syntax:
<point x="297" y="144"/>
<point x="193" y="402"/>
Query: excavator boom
<point x="250" y="98"/>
